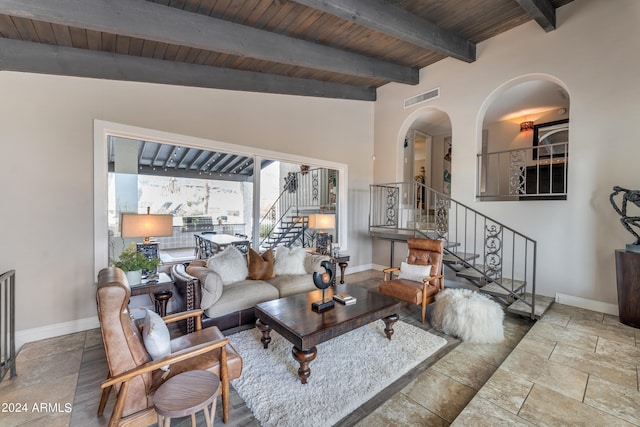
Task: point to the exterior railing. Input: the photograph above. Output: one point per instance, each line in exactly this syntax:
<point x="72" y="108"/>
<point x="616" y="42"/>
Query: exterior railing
<point x="7" y="324"/>
<point x="308" y="190"/>
<point x="531" y="173"/>
<point x="499" y="255"/>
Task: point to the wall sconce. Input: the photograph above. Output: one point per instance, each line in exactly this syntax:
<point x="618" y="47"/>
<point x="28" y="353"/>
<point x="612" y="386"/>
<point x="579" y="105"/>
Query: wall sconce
<point x="322" y="222"/>
<point x="525" y="126"/>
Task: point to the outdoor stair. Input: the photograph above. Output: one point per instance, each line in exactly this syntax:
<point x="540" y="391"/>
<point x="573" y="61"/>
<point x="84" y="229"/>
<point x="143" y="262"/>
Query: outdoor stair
<point x="288" y="232"/>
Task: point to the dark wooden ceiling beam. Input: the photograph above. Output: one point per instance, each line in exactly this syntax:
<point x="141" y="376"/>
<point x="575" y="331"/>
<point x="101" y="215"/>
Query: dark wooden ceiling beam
<point x="45" y="59"/>
<point x="392" y="20"/>
<point x="542" y="11"/>
<point x="151" y="21"/>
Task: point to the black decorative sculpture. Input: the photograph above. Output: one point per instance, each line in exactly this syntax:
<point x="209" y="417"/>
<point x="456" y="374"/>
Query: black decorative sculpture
<point x="323" y="281"/>
<point x="628" y="196"/>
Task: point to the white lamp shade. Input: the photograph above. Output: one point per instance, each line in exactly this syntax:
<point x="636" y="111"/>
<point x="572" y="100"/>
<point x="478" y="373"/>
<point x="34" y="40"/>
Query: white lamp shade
<point x="146" y="225"/>
<point x="322" y="221"/>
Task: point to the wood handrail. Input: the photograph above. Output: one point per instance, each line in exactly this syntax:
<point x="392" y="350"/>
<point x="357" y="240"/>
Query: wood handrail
<point x="167" y="360"/>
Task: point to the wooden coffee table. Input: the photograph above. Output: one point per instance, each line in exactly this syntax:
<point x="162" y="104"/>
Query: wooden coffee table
<point x="293" y="318"/>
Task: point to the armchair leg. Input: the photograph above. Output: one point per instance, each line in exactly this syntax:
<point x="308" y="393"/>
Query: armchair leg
<point x="224" y="379"/>
<point x="117" y="410"/>
<point x="103" y="400"/>
<point x="424" y="301"/>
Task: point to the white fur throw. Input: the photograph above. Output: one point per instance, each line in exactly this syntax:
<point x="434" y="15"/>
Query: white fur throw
<point x="469" y="315"/>
<point x="289" y="261"/>
<point x="230" y="265"/>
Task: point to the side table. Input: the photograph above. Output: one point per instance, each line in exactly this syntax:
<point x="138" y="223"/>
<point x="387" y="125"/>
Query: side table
<point x="186" y="394"/>
<point x="162" y="283"/>
<point x="341" y="261"/>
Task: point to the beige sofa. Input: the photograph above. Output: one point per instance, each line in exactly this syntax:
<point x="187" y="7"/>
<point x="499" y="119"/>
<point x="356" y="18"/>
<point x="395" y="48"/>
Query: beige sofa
<point x="230" y="305"/>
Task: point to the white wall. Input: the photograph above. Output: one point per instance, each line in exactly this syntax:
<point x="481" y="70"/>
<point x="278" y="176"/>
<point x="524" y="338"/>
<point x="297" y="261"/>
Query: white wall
<point x="46" y="134"/>
<point x="592" y="52"/>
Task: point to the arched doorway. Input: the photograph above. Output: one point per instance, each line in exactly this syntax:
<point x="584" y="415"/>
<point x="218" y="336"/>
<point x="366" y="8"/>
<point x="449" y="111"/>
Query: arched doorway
<point x="426" y="150"/>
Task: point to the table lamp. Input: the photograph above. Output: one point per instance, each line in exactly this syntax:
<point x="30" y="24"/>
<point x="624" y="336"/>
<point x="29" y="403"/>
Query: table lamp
<point x="147" y="225"/>
<point x="322" y="222"/>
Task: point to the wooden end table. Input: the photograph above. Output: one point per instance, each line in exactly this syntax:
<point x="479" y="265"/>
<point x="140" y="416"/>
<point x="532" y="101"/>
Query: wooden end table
<point x="293" y="318"/>
<point x="186" y="394"/>
<point x="162" y="283"/>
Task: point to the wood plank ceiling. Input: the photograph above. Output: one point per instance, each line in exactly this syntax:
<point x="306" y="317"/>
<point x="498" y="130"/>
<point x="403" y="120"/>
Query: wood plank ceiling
<point x="327" y="48"/>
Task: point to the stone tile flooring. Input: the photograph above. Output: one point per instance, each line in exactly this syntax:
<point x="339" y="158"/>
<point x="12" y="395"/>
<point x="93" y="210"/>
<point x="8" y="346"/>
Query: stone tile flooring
<point x="573" y="367"/>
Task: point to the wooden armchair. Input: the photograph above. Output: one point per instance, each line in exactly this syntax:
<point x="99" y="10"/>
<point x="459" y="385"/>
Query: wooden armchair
<point x="132" y="372"/>
<point x="421" y="252"/>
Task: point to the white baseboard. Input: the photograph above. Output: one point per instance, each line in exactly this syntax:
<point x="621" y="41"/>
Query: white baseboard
<point x="588" y="304"/>
<point x="50" y="331"/>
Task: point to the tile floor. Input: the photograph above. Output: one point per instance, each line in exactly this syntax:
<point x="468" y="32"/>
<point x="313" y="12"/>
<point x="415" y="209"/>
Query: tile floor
<point x="573" y="367"/>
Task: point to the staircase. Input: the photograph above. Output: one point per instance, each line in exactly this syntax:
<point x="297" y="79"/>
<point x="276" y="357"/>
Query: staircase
<point x="492" y="257"/>
<point x="286" y="223"/>
<point x="289" y="232"/>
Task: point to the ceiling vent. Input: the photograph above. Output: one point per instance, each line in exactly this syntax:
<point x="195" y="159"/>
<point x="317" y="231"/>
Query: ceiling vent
<point x="423" y="97"/>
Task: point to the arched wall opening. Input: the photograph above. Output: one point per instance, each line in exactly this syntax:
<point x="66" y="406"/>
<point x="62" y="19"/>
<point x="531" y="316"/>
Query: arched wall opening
<point x="523" y="137"/>
<point x="424" y="141"/>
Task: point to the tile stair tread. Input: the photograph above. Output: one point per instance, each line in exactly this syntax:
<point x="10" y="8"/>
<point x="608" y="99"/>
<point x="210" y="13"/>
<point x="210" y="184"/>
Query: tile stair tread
<point x="542" y="304"/>
<point x="472" y="273"/>
<point x="495" y="289"/>
<point x="454" y="258"/>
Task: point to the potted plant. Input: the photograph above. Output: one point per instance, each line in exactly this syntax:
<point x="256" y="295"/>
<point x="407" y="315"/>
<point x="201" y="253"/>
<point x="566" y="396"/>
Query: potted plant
<point x="133" y="263"/>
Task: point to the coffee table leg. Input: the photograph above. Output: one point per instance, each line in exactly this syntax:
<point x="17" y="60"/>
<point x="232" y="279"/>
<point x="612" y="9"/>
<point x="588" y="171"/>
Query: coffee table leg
<point x="265" y="329"/>
<point x="388" y="322"/>
<point x="304" y="357"/>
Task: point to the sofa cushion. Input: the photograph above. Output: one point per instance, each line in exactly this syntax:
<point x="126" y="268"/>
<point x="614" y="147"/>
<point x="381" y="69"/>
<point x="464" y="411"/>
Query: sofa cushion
<point x="260" y="266"/>
<point x="230" y="264"/>
<point x="211" y="285"/>
<point x="312" y="262"/>
<point x="242" y="295"/>
<point x="289" y="261"/>
<point x="291" y="284"/>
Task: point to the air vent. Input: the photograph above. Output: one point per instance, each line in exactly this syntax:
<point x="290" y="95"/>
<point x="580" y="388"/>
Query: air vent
<point x="423" y="97"/>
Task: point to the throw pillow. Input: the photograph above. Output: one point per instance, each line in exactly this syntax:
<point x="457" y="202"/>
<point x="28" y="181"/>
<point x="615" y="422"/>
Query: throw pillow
<point x="155" y="336"/>
<point x="260" y="266"/>
<point x="289" y="261"/>
<point x="230" y="265"/>
<point x="312" y="263"/>
<point x="414" y="272"/>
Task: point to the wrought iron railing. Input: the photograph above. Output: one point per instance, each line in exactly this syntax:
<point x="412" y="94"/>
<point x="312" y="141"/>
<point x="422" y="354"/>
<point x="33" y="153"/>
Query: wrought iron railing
<point x="491" y="252"/>
<point x="531" y="173"/>
<point x="7" y="324"/>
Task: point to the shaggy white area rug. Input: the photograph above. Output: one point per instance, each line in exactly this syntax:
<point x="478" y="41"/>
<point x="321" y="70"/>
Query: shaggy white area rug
<point x="469" y="315"/>
<point x="348" y="371"/>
